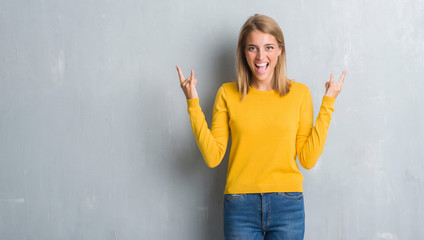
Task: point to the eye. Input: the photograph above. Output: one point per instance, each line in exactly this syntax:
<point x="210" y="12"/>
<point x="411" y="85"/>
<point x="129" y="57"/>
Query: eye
<point x="269" y="47"/>
<point x="251" y="48"/>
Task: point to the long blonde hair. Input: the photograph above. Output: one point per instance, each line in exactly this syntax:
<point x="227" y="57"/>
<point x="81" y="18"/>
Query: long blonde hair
<point x="263" y="24"/>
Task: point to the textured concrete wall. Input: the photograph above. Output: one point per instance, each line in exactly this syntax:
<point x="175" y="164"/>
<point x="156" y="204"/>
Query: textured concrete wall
<point x="95" y="140"/>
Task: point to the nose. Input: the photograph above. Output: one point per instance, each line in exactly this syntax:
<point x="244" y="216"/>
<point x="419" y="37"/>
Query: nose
<point x="260" y="54"/>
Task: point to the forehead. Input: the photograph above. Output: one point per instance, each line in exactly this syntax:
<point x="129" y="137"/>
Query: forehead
<point x="260" y="38"/>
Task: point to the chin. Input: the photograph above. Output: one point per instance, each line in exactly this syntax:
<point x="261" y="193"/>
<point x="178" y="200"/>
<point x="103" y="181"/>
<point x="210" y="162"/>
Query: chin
<point x="261" y="77"/>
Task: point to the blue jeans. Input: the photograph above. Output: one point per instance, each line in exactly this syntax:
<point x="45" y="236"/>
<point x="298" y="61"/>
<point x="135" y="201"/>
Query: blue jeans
<point x="264" y="216"/>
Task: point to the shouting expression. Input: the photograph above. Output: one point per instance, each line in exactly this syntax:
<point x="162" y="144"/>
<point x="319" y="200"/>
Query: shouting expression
<point x="262" y="52"/>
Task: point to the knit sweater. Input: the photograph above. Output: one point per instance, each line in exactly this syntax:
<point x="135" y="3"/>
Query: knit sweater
<point x="267" y="133"/>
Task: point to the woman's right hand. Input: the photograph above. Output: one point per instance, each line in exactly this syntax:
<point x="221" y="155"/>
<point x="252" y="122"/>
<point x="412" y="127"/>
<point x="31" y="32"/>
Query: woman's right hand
<point x="188" y="85"/>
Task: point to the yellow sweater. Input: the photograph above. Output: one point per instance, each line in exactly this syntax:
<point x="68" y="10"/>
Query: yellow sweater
<point x="267" y="132"/>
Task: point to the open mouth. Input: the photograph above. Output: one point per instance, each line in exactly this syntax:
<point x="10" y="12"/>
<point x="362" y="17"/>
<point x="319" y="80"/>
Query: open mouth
<point x="261" y="67"/>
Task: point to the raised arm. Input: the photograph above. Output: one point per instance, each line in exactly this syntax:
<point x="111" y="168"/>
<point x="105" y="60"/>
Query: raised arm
<point x="311" y="139"/>
<point x="212" y="143"/>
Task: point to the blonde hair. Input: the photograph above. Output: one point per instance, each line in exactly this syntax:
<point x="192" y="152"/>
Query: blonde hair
<point x="263" y="24"/>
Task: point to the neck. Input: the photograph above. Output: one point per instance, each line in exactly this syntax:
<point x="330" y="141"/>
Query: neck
<point x="262" y="85"/>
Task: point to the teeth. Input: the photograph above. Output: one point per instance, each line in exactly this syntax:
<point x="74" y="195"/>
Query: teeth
<point x="261" y="67"/>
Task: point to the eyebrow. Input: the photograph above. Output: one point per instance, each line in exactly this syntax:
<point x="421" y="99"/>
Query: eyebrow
<point x="267" y="44"/>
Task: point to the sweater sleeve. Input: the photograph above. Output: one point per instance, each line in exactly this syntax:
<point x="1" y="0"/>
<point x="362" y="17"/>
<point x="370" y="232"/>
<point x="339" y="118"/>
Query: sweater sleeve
<point x="212" y="143"/>
<point x="310" y="140"/>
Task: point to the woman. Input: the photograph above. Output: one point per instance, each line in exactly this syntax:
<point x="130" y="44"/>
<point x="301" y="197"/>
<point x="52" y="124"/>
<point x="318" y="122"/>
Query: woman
<point x="271" y="122"/>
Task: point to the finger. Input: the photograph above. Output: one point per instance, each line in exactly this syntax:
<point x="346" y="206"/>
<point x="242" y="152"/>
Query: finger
<point x="191" y="76"/>
<point x="185" y="82"/>
<point x="342" y="78"/>
<point x="331" y="78"/>
<point x="180" y="74"/>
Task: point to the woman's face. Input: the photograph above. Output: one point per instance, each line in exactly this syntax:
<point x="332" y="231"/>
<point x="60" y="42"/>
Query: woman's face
<point x="262" y="51"/>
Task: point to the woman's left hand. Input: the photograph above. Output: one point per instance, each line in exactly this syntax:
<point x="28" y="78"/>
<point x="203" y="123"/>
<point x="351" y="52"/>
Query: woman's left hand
<point x="332" y="89"/>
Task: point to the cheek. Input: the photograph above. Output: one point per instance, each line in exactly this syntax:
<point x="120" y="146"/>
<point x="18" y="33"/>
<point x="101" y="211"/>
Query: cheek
<point x="249" y="59"/>
<point x="275" y="57"/>
<point x="249" y="56"/>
